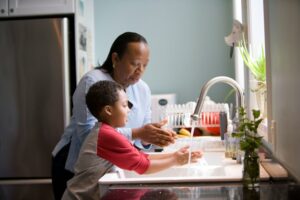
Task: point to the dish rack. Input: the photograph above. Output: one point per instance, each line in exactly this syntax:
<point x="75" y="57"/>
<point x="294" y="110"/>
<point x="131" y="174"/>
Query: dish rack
<point x="213" y="115"/>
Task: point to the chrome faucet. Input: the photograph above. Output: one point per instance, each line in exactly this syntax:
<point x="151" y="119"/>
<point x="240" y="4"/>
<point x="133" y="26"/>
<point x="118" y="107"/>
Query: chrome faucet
<point x="224" y="79"/>
<point x="239" y="101"/>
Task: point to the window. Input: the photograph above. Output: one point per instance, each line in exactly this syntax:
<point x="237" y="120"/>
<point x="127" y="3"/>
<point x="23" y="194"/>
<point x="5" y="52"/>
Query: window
<point x="251" y="14"/>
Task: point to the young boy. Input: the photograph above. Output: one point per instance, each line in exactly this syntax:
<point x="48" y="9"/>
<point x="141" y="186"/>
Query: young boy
<point x="104" y="147"/>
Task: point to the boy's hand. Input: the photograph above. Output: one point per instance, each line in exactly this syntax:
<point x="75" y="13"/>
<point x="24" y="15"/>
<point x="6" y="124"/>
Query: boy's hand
<point x="196" y="155"/>
<point x="182" y="155"/>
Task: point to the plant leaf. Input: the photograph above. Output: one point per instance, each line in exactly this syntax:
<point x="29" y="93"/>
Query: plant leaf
<point x="256" y="66"/>
<point x="256" y="113"/>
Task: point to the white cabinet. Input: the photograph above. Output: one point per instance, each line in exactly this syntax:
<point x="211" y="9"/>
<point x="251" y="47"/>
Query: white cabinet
<point x="14" y="8"/>
<point x="3" y="7"/>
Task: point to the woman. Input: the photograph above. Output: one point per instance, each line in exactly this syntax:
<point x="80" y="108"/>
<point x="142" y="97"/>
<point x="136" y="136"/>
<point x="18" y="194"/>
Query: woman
<point x="125" y="64"/>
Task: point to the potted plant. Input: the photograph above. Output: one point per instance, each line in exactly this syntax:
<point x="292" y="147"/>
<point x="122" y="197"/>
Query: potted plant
<point x="250" y="142"/>
<point x="257" y="67"/>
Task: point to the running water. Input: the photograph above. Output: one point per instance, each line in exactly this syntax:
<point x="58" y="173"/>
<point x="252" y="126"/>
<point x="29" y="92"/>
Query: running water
<point x="191" y="143"/>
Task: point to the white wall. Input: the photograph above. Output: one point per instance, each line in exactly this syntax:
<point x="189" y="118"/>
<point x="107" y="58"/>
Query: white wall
<point x="186" y="40"/>
<point x="284" y="38"/>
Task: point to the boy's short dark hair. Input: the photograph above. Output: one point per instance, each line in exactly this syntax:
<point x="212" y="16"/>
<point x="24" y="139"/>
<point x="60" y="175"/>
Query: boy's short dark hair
<point x="100" y="94"/>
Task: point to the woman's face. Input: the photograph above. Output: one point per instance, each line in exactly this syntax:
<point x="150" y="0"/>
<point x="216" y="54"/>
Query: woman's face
<point x="120" y="110"/>
<point x="129" y="68"/>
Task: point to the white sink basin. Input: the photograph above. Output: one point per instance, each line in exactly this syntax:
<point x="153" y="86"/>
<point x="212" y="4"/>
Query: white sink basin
<point x="179" y="172"/>
<point x="213" y="167"/>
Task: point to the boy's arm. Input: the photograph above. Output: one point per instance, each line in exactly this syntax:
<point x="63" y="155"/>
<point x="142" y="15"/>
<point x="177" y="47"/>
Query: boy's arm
<point x="179" y="157"/>
<point x="159" y="156"/>
<point x="157" y="165"/>
<point x="163" y="161"/>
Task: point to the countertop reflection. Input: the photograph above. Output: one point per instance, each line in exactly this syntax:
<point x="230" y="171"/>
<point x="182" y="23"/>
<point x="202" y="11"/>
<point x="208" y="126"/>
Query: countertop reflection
<point x="281" y="190"/>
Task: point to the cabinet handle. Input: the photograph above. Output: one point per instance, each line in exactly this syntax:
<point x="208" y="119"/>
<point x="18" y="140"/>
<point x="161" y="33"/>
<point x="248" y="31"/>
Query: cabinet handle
<point x="2" y="11"/>
<point x="11" y="10"/>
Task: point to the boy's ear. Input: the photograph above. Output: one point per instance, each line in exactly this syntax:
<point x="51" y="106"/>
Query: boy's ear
<point x="108" y="110"/>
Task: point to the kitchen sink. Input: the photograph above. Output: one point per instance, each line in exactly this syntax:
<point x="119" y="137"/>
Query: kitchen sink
<point x="213" y="167"/>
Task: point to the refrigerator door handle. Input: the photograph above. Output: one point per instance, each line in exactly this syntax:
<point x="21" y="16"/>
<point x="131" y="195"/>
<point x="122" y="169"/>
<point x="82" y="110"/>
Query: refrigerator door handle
<point x="66" y="68"/>
<point x="25" y="181"/>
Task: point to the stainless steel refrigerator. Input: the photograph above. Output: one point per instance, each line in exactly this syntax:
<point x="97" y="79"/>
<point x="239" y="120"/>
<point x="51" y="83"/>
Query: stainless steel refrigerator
<point x="36" y="56"/>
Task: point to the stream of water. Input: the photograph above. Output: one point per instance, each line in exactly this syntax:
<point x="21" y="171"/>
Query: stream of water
<point x="191" y="143"/>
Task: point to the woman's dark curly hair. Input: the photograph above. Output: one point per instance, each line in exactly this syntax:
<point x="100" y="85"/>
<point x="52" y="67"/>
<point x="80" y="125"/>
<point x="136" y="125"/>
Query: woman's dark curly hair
<point x="119" y="46"/>
<point x="100" y="94"/>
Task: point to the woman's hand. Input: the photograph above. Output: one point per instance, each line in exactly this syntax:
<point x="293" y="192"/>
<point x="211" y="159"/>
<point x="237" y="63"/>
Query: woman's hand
<point x="154" y="134"/>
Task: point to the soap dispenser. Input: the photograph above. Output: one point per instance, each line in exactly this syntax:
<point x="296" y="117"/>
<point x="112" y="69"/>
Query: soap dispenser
<point x="228" y="140"/>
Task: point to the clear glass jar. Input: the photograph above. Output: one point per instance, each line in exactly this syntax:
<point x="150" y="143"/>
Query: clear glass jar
<point x="251" y="175"/>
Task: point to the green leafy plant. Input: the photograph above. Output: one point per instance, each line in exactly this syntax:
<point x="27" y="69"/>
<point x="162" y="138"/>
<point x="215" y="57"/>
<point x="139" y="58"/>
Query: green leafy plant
<point x="250" y="141"/>
<point x="247" y="130"/>
<point x="256" y="66"/>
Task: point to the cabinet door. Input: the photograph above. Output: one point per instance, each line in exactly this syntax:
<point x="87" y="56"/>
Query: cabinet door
<point x="3" y="8"/>
<point x="40" y="7"/>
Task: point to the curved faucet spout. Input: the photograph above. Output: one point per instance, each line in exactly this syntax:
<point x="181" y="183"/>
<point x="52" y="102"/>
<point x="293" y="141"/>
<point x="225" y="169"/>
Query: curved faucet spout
<point x="206" y="87"/>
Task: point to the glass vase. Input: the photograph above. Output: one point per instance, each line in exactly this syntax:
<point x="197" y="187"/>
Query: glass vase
<point x="251" y="170"/>
<point x="261" y="98"/>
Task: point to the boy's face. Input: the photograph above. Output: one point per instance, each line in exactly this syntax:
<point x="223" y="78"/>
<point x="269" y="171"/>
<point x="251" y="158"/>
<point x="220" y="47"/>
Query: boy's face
<point x="120" y="110"/>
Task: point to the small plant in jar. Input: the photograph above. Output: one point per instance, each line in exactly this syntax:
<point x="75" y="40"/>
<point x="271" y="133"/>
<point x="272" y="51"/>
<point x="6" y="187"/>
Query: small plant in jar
<point x="250" y="142"/>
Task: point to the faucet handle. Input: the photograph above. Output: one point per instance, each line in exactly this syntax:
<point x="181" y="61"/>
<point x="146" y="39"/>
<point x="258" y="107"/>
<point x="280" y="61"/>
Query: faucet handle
<point x="195" y="118"/>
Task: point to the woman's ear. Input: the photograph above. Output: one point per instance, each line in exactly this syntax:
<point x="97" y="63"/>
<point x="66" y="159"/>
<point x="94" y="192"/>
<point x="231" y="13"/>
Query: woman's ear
<point x="114" y="58"/>
<point x="108" y="110"/>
